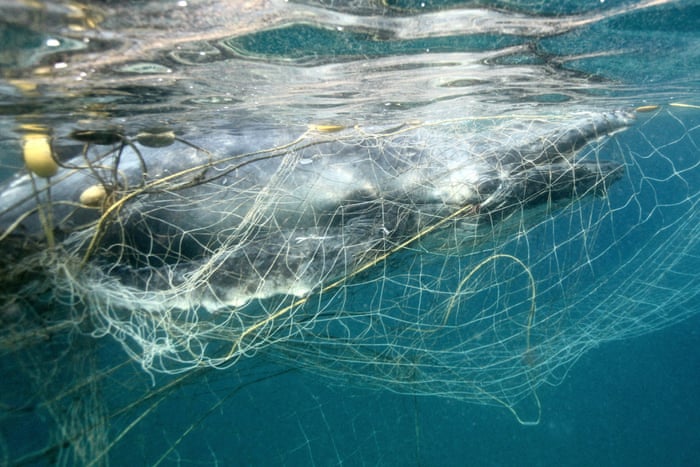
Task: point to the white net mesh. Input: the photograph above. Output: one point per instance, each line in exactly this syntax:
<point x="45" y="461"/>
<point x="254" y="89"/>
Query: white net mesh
<point x="465" y="258"/>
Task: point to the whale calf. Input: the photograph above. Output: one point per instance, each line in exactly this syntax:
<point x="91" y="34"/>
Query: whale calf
<point x="251" y="214"/>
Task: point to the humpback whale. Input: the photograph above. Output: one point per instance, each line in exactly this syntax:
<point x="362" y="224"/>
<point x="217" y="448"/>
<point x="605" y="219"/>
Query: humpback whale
<point x="251" y="214"/>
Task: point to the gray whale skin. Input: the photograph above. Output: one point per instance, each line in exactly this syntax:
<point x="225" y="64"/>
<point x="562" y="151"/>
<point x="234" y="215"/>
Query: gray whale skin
<point x="282" y="221"/>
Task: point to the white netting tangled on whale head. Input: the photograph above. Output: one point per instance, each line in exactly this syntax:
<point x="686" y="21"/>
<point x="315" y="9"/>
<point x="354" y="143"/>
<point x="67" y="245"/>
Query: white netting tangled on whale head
<point x="432" y="258"/>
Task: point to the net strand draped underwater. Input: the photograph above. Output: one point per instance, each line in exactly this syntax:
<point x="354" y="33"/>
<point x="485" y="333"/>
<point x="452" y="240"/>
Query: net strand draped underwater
<point x="469" y="239"/>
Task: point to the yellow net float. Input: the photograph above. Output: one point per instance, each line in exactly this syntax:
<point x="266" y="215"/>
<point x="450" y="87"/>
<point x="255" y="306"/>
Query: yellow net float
<point x="37" y="155"/>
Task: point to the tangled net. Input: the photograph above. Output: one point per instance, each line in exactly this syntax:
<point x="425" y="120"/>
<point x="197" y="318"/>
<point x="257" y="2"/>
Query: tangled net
<point x="466" y="258"/>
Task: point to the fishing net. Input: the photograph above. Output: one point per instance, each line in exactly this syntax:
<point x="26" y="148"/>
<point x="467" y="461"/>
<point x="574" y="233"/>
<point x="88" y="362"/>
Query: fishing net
<point x="433" y="258"/>
<point x="377" y="257"/>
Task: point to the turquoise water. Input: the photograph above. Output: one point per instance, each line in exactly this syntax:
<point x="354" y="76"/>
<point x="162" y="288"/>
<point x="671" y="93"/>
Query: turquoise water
<point x="625" y="389"/>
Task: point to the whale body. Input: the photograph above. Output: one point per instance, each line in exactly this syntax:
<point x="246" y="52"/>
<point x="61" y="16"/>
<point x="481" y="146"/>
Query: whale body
<point x="280" y="211"/>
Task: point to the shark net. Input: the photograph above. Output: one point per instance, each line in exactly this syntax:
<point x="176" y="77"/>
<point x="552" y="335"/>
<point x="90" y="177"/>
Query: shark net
<point x="473" y="259"/>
